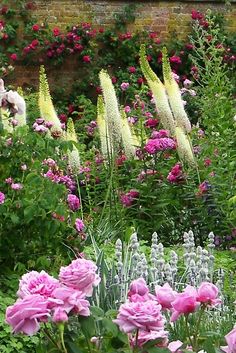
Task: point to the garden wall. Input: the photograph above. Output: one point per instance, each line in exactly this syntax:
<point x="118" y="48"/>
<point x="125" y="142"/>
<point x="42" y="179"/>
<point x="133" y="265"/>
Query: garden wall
<point x="162" y="16"/>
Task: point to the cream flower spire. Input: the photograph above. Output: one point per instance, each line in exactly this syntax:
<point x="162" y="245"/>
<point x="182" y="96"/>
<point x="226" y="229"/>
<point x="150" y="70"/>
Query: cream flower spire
<point x="159" y="93"/>
<point x="106" y="143"/>
<point x="73" y="155"/>
<point x="174" y="95"/>
<point x="127" y="136"/>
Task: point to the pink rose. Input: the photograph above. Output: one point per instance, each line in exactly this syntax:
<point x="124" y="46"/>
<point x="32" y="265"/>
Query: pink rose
<point x="2" y="198"/>
<point x="184" y="303"/>
<point x="174" y="346"/>
<point x="139" y="291"/>
<point x="37" y="283"/>
<point x="140" y="315"/>
<point x="231" y="341"/>
<point x="70" y="299"/>
<point x="146" y="336"/>
<point x="207" y="293"/>
<point x="25" y="314"/>
<point x="165" y="295"/>
<point x="81" y="275"/>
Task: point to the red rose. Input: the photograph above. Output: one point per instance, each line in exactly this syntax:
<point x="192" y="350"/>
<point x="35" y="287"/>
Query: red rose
<point x="14" y="57"/>
<point x="86" y="59"/>
<point x="36" y="28"/>
<point x="56" y="31"/>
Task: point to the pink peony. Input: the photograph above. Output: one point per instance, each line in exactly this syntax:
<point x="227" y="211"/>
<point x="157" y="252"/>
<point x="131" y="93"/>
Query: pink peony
<point x="165" y="295"/>
<point x="25" y="314"/>
<point x="37" y="283"/>
<point x="70" y="299"/>
<point x="74" y="202"/>
<point x="208" y="293"/>
<point x="184" y="303"/>
<point x="81" y="275"/>
<point x="140" y="315"/>
<point x="2" y="198"/>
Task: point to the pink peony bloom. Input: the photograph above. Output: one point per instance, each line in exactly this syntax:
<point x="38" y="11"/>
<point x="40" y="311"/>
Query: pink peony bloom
<point x="146" y="336"/>
<point x="74" y="202"/>
<point x="81" y="275"/>
<point x="140" y="315"/>
<point x="2" y="198"/>
<point x="25" y="314"/>
<point x="70" y="299"/>
<point x="208" y="293"/>
<point x="37" y="283"/>
<point x="165" y="295"/>
<point x="184" y="303"/>
<point x="16" y="186"/>
<point x="79" y="225"/>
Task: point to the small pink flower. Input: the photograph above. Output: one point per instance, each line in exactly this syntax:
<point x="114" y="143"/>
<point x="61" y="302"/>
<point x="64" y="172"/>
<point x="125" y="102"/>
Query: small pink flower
<point x="2" y="198"/>
<point x="80" y="275"/>
<point x="24" y="316"/>
<point x="127" y="109"/>
<point x="24" y="167"/>
<point x="79" y="224"/>
<point x="16" y="186"/>
<point x="124" y="86"/>
<point x="73" y="201"/>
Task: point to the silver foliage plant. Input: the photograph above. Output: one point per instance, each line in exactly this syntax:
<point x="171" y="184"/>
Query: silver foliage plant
<point x="157" y="266"/>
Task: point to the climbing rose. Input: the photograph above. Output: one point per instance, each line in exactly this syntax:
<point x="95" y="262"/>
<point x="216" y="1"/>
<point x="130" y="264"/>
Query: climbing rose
<point x="81" y="275"/>
<point x="25" y="314"/>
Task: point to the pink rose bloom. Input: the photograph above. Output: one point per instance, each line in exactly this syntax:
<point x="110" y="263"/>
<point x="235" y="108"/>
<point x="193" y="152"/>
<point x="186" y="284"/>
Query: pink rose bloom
<point x="70" y="299"/>
<point x="127" y="109"/>
<point x="37" y="283"/>
<point x="231" y="341"/>
<point x="25" y="314"/>
<point x="140" y="315"/>
<point x="2" y="198"/>
<point x="146" y="336"/>
<point x="138" y="286"/>
<point x="79" y="225"/>
<point x="185" y="303"/>
<point x="74" y="202"/>
<point x="59" y="315"/>
<point x="165" y="295"/>
<point x="208" y="293"/>
<point x="81" y="275"/>
<point x="16" y="186"/>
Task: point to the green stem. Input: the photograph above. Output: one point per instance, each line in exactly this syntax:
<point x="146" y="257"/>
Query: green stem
<point x="47" y="333"/>
<point x="187" y="330"/>
<point x="195" y="336"/>
<point x="61" y="330"/>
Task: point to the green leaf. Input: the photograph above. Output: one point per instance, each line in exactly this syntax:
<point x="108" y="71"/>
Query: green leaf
<point x="87" y="326"/>
<point x="110" y="327"/>
<point x="97" y="312"/>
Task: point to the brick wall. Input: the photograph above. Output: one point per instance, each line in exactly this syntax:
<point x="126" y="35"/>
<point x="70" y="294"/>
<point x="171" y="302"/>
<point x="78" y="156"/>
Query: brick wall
<point x="161" y="16"/>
